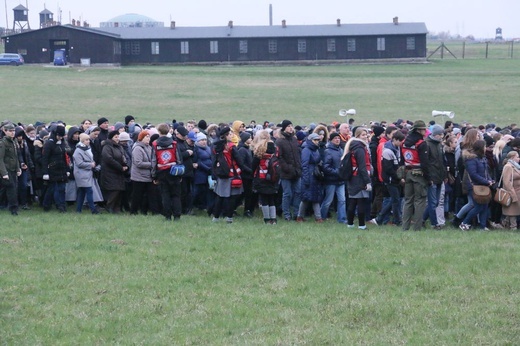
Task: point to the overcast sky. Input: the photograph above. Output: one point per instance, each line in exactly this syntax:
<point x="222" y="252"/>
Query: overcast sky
<point x="479" y="18"/>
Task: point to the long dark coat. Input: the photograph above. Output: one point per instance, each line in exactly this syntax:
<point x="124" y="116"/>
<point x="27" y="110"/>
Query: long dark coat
<point x="113" y="160"/>
<point x="312" y="189"/>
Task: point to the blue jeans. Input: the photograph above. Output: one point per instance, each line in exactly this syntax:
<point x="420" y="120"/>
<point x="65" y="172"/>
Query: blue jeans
<point x="23" y="180"/>
<point x="80" y="199"/>
<point x="478" y="209"/>
<point x="291" y="196"/>
<point x="330" y="191"/>
<point x="394" y="206"/>
<point x="465" y="209"/>
<point x="55" y="192"/>
<point x="434" y="194"/>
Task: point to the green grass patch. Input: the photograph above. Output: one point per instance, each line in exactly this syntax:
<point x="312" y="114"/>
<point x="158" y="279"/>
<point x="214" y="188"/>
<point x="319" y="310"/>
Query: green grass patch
<point x="479" y="91"/>
<point x="141" y="280"/>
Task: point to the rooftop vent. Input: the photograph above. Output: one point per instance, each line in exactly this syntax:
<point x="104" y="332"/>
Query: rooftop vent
<point x="396" y="20"/>
<point x="284" y="24"/>
<point x="338" y="22"/>
<point x="172" y="24"/>
<point x="230" y="24"/>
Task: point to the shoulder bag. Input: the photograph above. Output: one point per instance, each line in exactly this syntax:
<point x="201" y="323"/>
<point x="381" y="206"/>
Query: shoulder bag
<point x="502" y="196"/>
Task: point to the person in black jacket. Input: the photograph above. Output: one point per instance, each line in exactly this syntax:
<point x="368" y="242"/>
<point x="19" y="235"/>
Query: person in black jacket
<point x="246" y="155"/>
<point x="334" y="185"/>
<point x="188" y="158"/>
<point x="289" y="158"/>
<point x="391" y="161"/>
<point x="55" y="169"/>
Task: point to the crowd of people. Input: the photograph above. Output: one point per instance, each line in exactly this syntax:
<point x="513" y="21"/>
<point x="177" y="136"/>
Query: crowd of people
<point x="411" y="175"/>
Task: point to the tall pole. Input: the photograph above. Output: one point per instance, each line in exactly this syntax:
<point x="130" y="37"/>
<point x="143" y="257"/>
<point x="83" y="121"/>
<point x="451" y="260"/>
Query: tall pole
<point x="6" y="19"/>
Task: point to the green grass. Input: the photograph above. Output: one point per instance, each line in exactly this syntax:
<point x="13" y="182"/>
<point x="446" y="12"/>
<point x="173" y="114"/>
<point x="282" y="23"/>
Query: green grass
<point x="476" y="90"/>
<point x="140" y="280"/>
<point x="80" y="279"/>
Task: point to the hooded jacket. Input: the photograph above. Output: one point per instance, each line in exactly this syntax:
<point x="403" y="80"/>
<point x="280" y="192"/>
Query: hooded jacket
<point x="434" y="165"/>
<point x="289" y="156"/>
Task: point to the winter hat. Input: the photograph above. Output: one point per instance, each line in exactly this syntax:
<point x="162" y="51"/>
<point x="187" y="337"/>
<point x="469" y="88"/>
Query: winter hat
<point x="489" y="141"/>
<point x="124" y="137"/>
<point x="201" y="136"/>
<point x="202" y="125"/>
<point x="244" y="136"/>
<point x="83" y="136"/>
<point x="333" y="135"/>
<point x="378" y="130"/>
<point x="102" y="120"/>
<point x="128" y="119"/>
<point x="43" y="133"/>
<point x="419" y="125"/>
<point x="182" y="131"/>
<point x="313" y="136"/>
<point x="437" y="130"/>
<point x="8" y="126"/>
<point x="192" y="135"/>
<point x="119" y="125"/>
<point x="111" y="134"/>
<point x="300" y="135"/>
<point x="142" y="134"/>
<point x="60" y="131"/>
<point x="455" y="131"/>
<point x="285" y="123"/>
<point x="224" y="131"/>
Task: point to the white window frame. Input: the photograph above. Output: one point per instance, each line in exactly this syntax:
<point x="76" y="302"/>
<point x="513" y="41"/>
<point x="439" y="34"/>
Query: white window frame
<point x="185" y="47"/>
<point x="155" y="48"/>
<point x="410" y="43"/>
<point x="242" y="46"/>
<point x="381" y="44"/>
<point x="351" y="45"/>
<point x="273" y="46"/>
<point x="213" y="47"/>
<point x="331" y="45"/>
<point x="302" y="45"/>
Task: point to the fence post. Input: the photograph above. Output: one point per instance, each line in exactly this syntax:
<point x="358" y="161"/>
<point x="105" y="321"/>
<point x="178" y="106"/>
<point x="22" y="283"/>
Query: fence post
<point x="442" y="51"/>
<point x="487" y="48"/>
<point x="463" y="49"/>
<point x="512" y="43"/>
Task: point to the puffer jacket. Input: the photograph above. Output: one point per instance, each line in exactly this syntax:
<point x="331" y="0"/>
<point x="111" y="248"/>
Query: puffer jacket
<point x="54" y="160"/>
<point x="331" y="164"/>
<point x="312" y="190"/>
<point x="477" y="170"/>
<point x="143" y="161"/>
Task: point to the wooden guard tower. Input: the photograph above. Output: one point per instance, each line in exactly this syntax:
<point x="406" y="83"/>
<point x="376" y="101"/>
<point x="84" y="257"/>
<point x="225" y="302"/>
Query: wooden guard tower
<point x="21" y="18"/>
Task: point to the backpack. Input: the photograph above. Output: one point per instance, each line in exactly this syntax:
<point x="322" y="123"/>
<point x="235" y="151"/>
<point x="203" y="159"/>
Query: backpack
<point x="221" y="166"/>
<point x="273" y="169"/>
<point x="346" y="169"/>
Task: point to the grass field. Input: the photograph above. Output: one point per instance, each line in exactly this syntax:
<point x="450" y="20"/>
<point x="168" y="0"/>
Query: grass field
<point x="108" y="279"/>
<point x="478" y="91"/>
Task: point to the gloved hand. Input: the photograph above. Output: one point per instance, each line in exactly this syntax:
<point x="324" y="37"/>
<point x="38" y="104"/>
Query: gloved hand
<point x="68" y="174"/>
<point x="369" y="187"/>
<point x="45" y="177"/>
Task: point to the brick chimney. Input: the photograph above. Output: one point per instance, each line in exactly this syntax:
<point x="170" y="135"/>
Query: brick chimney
<point x="396" y="20"/>
<point x="172" y="24"/>
<point x="284" y="24"/>
<point x="230" y="24"/>
<point x="338" y="22"/>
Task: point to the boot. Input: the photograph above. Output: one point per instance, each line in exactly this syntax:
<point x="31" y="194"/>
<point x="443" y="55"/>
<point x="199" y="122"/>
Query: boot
<point x="456" y="222"/>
